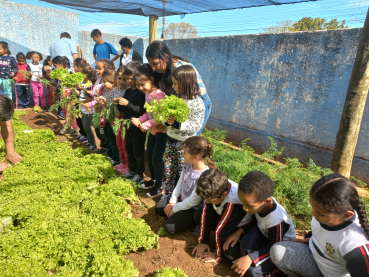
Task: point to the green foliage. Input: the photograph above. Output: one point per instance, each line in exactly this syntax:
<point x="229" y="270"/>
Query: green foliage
<point x="305" y="24"/>
<point x="272" y="152"/>
<point x="56" y="217"/>
<point x="168" y="272"/>
<point x="217" y="134"/>
<point x="169" y="106"/>
<point x="312" y="24"/>
<point x="37" y="109"/>
<point x="292" y="181"/>
<point x="59" y="74"/>
<point x="73" y="80"/>
<point x="118" y="123"/>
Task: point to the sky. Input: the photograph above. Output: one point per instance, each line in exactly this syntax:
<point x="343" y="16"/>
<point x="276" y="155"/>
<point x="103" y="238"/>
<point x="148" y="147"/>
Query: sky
<point x="233" y="22"/>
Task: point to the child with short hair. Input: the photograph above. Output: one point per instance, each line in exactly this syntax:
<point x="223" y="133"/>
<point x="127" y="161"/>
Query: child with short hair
<point x="37" y="72"/>
<point x="186" y="86"/>
<point x="339" y="239"/>
<point x="21" y="83"/>
<point x="8" y="68"/>
<point x="255" y="191"/>
<point x="184" y="207"/>
<point x="48" y="62"/>
<point x="102" y="49"/>
<point x="144" y="80"/>
<point x="222" y="212"/>
<point x="132" y="106"/>
<point x="117" y="93"/>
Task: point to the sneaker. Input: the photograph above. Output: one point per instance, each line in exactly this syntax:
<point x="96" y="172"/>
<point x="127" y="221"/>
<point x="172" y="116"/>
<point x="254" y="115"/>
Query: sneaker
<point x="129" y="175"/>
<point x="62" y="117"/>
<point x="138" y="178"/>
<point x="88" y="144"/>
<point x="44" y="109"/>
<point x="79" y="136"/>
<point x="92" y="147"/>
<point x="155" y="191"/>
<point x="82" y="138"/>
<point x="120" y="166"/>
<point x="74" y="132"/>
<point x="95" y="150"/>
<point x="64" y="131"/>
<point x="148" y="185"/>
<point x="85" y="141"/>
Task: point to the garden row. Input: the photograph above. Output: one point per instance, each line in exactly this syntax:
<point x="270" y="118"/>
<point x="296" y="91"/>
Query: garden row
<point x="292" y="180"/>
<point x="57" y="219"/>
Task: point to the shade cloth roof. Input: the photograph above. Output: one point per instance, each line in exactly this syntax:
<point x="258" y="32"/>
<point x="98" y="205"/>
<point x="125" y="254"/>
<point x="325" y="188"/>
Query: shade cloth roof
<point x="154" y="7"/>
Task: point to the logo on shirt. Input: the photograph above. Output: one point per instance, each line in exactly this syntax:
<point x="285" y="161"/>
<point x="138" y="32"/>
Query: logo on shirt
<point x="265" y="231"/>
<point x="329" y="250"/>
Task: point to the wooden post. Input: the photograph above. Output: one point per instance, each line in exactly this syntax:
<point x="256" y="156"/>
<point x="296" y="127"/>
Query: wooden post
<point x="153" y="26"/>
<point x="353" y="109"/>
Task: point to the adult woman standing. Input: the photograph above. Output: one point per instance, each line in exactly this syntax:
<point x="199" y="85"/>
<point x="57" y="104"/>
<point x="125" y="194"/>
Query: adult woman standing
<point x="162" y="62"/>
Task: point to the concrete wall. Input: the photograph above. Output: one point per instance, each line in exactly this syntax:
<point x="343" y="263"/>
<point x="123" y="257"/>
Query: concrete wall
<point x="291" y="86"/>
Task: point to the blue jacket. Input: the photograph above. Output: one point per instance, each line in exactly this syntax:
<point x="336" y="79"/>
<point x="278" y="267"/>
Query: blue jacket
<point x="7" y="65"/>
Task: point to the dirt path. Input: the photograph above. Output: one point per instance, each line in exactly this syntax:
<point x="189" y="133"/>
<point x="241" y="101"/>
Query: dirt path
<point x="174" y="250"/>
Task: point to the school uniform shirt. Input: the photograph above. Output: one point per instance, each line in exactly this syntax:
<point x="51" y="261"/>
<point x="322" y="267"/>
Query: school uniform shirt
<point x="185" y="190"/>
<point x="7" y="65"/>
<point x="103" y="51"/>
<point x="133" y="56"/>
<point x="193" y="124"/>
<point x="135" y="107"/>
<point x="20" y="77"/>
<point x="227" y="216"/>
<point x="342" y="250"/>
<point x="276" y="225"/>
<point x="36" y="69"/>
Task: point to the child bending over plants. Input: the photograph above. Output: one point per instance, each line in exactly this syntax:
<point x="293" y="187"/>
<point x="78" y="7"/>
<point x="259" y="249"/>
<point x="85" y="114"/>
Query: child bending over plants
<point x="256" y="191"/>
<point x="222" y="213"/>
<point x="144" y="79"/>
<point x="186" y="86"/>
<point x="339" y="238"/>
<point x="184" y="207"/>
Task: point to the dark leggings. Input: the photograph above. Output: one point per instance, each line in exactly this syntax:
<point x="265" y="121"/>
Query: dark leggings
<point x="101" y="137"/>
<point x="180" y="221"/>
<point x="113" y="151"/>
<point x="155" y="151"/>
<point x="80" y="126"/>
<point x="86" y="125"/>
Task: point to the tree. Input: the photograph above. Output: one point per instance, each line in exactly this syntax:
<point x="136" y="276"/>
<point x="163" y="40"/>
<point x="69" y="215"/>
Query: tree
<point x="281" y="27"/>
<point x="305" y="24"/>
<point x="310" y="24"/>
<point x="180" y="30"/>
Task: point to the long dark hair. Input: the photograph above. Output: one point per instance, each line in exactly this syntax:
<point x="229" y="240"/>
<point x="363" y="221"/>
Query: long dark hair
<point x="143" y="73"/>
<point x="159" y="50"/>
<point x="188" y="85"/>
<point x="337" y="195"/>
<point x="46" y="61"/>
<point x="90" y="73"/>
<point x="5" y="45"/>
<point x="198" y="145"/>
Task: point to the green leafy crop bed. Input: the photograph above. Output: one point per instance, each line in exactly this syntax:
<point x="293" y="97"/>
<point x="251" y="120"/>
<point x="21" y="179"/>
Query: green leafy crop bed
<point x="292" y="180"/>
<point x="57" y="219"/>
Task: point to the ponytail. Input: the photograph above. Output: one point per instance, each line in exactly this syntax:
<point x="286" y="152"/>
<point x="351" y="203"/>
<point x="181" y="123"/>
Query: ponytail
<point x="337" y="195"/>
<point x="198" y="145"/>
<point x="361" y="213"/>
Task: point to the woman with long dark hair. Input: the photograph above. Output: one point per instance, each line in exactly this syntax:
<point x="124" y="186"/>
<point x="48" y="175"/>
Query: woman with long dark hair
<point x="163" y="63"/>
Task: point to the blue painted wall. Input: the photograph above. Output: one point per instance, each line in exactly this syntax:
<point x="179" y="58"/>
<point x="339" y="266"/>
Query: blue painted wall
<point x="290" y="85"/>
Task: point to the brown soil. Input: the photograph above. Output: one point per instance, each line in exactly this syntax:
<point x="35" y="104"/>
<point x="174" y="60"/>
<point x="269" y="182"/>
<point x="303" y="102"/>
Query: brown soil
<point x="174" y="250"/>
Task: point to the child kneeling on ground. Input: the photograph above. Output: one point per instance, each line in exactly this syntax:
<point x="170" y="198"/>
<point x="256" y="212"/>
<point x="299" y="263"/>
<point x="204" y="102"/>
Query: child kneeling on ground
<point x="222" y="212"/>
<point x="184" y="207"/>
<point x="255" y="191"/>
<point x="339" y="239"/>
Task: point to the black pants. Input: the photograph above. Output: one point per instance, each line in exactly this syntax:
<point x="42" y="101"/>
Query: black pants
<point x="251" y="241"/>
<point x="113" y="151"/>
<point x="154" y="155"/>
<point x="135" y="147"/>
<point x="180" y="221"/>
<point x="80" y="126"/>
<point x="101" y="137"/>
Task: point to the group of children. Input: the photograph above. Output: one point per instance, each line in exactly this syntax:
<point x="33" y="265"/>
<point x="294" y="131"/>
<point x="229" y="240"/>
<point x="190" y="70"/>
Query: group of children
<point x="252" y="230"/>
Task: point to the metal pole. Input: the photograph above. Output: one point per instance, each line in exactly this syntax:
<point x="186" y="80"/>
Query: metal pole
<point x="353" y="109"/>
